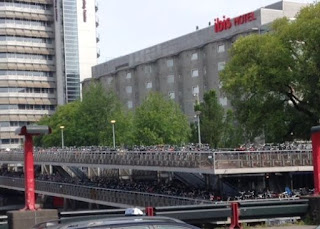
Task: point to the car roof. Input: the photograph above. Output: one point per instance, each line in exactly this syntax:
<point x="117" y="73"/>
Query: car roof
<point x="81" y="223"/>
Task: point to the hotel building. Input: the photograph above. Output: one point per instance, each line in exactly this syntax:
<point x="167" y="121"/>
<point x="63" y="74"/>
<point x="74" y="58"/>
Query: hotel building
<point x="47" y="47"/>
<point x="185" y="68"/>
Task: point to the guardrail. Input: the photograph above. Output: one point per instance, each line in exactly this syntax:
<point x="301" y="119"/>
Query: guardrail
<point x="187" y="161"/>
<point x="211" y="213"/>
<point x="110" y="197"/>
<point x="259" y="159"/>
<point x="273" y="208"/>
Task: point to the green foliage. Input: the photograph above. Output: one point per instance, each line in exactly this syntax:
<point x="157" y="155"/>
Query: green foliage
<point x="156" y="121"/>
<point x="64" y="116"/>
<point x="273" y="80"/>
<point x="218" y="127"/>
<point x="160" y="121"/>
<point x="211" y="119"/>
<point x="88" y="122"/>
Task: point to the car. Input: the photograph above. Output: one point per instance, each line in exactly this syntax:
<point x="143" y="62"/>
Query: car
<point x="132" y="220"/>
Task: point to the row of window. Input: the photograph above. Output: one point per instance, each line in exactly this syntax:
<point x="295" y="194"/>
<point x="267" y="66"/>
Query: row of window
<point x="26" y="56"/>
<point x="194" y="72"/>
<point x="13" y="124"/>
<point x="10" y="141"/>
<point x="195" y="89"/>
<point x="222" y="100"/>
<point x="26" y="107"/>
<point x="27" y="90"/>
<point x="26" y="39"/>
<point x="26" y="73"/>
<point x="194" y="56"/>
<point x="25" y="5"/>
<point x="24" y="22"/>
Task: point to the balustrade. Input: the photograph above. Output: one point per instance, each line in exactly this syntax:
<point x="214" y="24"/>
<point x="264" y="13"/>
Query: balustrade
<point x="92" y="194"/>
<point x="204" y="161"/>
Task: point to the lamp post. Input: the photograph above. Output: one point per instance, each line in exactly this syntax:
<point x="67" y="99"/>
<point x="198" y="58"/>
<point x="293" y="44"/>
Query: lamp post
<point x="62" y="139"/>
<point x="113" y="133"/>
<point x="198" y="117"/>
<point x="199" y="133"/>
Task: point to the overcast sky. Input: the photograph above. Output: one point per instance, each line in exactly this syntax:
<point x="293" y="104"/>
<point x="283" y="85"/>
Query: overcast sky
<point x="127" y="26"/>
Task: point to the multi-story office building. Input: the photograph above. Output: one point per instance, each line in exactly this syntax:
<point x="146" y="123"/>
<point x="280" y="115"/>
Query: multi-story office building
<point x="47" y="47"/>
<point x="186" y="67"/>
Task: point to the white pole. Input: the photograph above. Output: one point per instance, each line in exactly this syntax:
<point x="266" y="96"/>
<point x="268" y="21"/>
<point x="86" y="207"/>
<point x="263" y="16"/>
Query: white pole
<point x="114" y="136"/>
<point x="199" y="133"/>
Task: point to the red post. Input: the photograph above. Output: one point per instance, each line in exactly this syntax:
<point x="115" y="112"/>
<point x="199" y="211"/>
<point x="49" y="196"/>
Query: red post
<point x="235" y="216"/>
<point x="149" y="211"/>
<point x="29" y="173"/>
<point x="315" y="137"/>
<point x="29" y="182"/>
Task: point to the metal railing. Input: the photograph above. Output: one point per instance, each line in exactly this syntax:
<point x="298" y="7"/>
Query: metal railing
<point x="256" y="159"/>
<point x="112" y="197"/>
<point x="200" y="161"/>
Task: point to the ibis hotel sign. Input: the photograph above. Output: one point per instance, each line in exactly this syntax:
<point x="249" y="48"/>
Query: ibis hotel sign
<point x="227" y="23"/>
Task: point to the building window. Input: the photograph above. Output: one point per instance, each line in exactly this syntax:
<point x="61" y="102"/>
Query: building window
<point x="221" y="48"/>
<point x="128" y="75"/>
<point x="109" y="80"/>
<point x="195" y="90"/>
<point x="169" y="62"/>
<point x="170" y="79"/>
<point x="221" y="65"/>
<point x="129" y="89"/>
<point x="130" y="104"/>
<point x="149" y="85"/>
<point x="194" y="56"/>
<point x="147" y="69"/>
<point x="171" y="95"/>
<point x="195" y="73"/>
<point x="223" y="101"/>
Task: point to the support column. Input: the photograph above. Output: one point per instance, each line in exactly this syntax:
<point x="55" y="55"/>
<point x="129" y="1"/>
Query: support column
<point x="315" y="136"/>
<point x="29" y="173"/>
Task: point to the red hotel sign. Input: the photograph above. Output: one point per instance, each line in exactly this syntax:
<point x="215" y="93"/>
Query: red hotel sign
<point x="227" y="23"/>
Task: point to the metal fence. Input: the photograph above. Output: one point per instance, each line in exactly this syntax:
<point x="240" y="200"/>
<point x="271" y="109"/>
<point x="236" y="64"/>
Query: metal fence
<point x="104" y="196"/>
<point x="256" y="159"/>
<point x="203" y="161"/>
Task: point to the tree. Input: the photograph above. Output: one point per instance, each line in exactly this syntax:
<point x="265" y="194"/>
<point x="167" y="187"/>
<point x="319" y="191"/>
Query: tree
<point x="211" y="119"/>
<point x="273" y="79"/>
<point x="231" y="133"/>
<point x="218" y="127"/>
<point x="97" y="109"/>
<point x="88" y="122"/>
<point x="64" y="116"/>
<point x="160" y="121"/>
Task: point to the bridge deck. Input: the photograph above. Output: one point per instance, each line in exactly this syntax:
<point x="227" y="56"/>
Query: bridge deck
<point x="223" y="162"/>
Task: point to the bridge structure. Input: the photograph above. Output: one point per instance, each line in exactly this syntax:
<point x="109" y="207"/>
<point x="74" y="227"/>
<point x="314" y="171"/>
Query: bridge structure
<point x="205" y="162"/>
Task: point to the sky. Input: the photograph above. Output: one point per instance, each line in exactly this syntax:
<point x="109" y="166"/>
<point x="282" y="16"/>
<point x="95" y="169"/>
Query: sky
<point x="127" y="26"/>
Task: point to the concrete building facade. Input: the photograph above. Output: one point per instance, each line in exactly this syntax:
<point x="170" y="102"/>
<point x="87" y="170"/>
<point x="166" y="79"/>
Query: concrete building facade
<point x="41" y="59"/>
<point x="186" y="67"/>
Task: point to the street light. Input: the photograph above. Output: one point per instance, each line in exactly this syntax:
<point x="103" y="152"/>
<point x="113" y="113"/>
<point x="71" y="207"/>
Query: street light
<point x="199" y="133"/>
<point x="113" y="133"/>
<point x="62" y="139"/>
